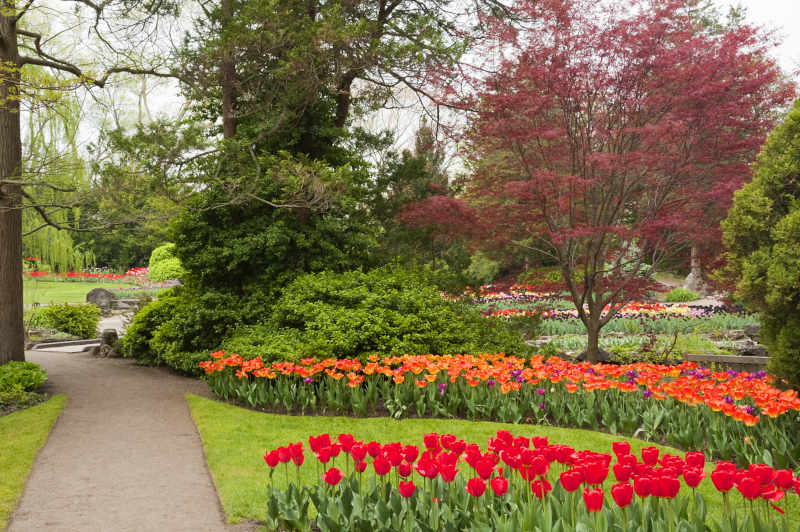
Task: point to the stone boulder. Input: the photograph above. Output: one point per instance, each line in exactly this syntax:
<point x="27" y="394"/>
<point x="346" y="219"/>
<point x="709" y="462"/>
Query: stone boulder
<point x="102" y="298"/>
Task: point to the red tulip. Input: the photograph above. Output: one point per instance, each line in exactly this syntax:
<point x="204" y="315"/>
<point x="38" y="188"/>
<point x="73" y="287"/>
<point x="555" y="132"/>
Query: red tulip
<point x="476" y="486"/>
<point x="373" y="449"/>
<point x="448" y="472"/>
<point x="410" y="452"/>
<point x="541" y="487"/>
<point x="426" y="468"/>
<point x="540" y="465"/>
<point x="298" y="460"/>
<point x="539" y="442"/>
<point x="762" y="472"/>
<point x="284" y="455"/>
<point x="318" y="442"/>
<point x="431" y="441"/>
<point x="621" y="448"/>
<point x="296" y="449"/>
<point x="324" y="454"/>
<point x="622" y="472"/>
<point x="622" y="494"/>
<point x="358" y="452"/>
<point x="360" y="466"/>
<point x="346" y="441"/>
<point x="332" y="476"/>
<point x="406" y="489"/>
<point x="783" y="479"/>
<point x="499" y="485"/>
<point x="693" y="477"/>
<point x="628" y="460"/>
<point x="668" y="487"/>
<point x="696" y="459"/>
<point x="571" y="480"/>
<point x="643" y="486"/>
<point x="522" y="442"/>
<point x="650" y="455"/>
<point x="381" y="465"/>
<point x="394" y="456"/>
<point x="722" y="479"/>
<point x="484" y="468"/>
<point x="749" y="487"/>
<point x="448" y="440"/>
<point x="404" y="469"/>
<point x="593" y="499"/>
<point x="595" y="473"/>
<point x="271" y="458"/>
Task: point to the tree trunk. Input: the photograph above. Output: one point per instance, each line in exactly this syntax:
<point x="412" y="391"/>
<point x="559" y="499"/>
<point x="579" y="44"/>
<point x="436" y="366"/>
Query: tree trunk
<point x="694" y="281"/>
<point x="228" y="72"/>
<point x="592" y="353"/>
<point x="12" y="334"/>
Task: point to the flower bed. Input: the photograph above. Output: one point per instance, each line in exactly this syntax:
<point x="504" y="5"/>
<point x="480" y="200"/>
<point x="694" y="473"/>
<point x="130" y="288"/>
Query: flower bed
<point x="730" y="415"/>
<point x="516" y="484"/>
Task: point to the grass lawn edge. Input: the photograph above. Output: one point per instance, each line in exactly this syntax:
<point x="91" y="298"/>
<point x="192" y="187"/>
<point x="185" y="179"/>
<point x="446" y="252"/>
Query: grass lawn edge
<point x="23" y="434"/>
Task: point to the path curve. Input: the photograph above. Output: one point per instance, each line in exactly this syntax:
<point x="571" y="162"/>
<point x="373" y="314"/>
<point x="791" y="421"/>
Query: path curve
<point x="123" y="456"/>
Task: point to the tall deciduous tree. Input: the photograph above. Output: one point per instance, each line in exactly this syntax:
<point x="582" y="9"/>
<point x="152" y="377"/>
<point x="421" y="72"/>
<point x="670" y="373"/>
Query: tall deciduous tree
<point x="602" y="130"/>
<point x="117" y="25"/>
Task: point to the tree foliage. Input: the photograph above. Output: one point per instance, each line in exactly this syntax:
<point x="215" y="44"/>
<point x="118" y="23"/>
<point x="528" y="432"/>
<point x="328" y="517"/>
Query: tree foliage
<point x="761" y="233"/>
<point x="601" y="130"/>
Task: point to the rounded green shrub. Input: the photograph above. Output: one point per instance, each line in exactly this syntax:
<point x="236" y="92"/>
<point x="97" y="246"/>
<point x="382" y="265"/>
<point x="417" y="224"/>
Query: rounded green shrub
<point x="77" y="320"/>
<point x="680" y="295"/>
<point x="21" y="375"/>
<point x="164" y="265"/>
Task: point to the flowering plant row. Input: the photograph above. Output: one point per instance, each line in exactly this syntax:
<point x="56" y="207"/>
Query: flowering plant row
<point x="731" y="415"/>
<point x="517" y="483"/>
<point x="82" y="276"/>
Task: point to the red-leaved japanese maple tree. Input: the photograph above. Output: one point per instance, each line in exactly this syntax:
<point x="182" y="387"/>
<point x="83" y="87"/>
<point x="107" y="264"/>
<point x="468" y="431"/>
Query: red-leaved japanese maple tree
<point x="609" y="135"/>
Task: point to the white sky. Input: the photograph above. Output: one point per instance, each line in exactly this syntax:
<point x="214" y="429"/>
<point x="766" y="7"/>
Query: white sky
<point x="780" y="15"/>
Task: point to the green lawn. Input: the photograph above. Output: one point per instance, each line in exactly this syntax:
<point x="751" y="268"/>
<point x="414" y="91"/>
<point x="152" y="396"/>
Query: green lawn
<point x="235" y="439"/>
<point x="35" y="291"/>
<point x="22" y="433"/>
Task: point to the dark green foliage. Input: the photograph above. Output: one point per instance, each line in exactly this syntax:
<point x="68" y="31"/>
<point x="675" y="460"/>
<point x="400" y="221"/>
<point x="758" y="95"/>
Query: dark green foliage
<point x="181" y="327"/>
<point x="761" y="232"/>
<point x="24" y="375"/>
<point x="388" y="311"/>
<point x="78" y="320"/>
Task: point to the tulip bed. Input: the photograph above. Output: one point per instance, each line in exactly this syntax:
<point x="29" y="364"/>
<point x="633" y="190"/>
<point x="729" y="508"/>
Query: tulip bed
<point x="729" y="415"/>
<point x="518" y="483"/>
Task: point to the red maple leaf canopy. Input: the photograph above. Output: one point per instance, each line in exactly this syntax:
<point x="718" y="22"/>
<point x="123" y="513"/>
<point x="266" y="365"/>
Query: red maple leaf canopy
<point x="609" y="135"/>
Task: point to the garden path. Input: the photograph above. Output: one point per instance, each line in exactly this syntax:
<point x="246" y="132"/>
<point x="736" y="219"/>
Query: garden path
<point x="124" y="455"/>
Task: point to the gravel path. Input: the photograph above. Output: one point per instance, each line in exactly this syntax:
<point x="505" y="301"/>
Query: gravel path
<point x="123" y="456"/>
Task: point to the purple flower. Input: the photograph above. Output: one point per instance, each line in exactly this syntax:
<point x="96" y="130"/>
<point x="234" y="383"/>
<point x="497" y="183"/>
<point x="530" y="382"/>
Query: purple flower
<point x="308" y="380"/>
<point x="541" y="406"/>
<point x="728" y="399"/>
<point x="491" y="382"/>
<point x="733" y="372"/>
<point x="539" y="391"/>
<point x="442" y="388"/>
<point x="647" y="394"/>
<point x="750" y="410"/>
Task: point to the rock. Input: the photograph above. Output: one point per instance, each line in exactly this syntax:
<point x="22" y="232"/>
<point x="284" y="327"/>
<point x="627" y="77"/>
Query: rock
<point x="749" y="348"/>
<point x="102" y="298"/>
<point x="752" y="331"/>
<point x="109" y="337"/>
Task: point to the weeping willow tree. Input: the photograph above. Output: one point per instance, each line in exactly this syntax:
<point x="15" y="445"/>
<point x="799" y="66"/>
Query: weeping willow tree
<point x="50" y="150"/>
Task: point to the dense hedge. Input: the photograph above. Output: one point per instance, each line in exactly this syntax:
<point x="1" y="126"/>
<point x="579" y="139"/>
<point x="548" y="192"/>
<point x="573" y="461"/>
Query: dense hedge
<point x="388" y="310"/>
<point x="164" y="265"/>
<point x="78" y="320"/>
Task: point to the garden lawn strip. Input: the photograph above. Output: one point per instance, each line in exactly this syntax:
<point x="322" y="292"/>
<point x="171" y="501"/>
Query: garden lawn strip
<point x="47" y="292"/>
<point x="124" y="455"/>
<point x="235" y="440"/>
<point x="22" y="434"/>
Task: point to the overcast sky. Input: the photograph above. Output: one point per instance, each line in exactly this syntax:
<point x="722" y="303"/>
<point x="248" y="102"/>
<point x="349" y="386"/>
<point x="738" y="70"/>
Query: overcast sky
<point x="783" y="15"/>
